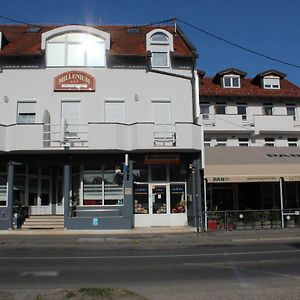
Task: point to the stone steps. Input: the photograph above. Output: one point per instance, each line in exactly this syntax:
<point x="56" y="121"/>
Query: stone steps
<point x="44" y="222"/>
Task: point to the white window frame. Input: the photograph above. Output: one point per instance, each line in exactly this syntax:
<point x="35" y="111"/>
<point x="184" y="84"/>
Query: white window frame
<point x="293" y="106"/>
<point x="265" y="108"/>
<point x="66" y="43"/>
<point x="26" y="101"/>
<point x="115" y="100"/>
<point x="269" y="142"/>
<point x="243" y="142"/>
<point x="271" y="82"/>
<point x="231" y="77"/>
<point x="220" y="104"/>
<point x="205" y="106"/>
<point x="292" y="142"/>
<point x="160" y="46"/>
<point x="167" y="65"/>
<point x="221" y="142"/>
<point x="207" y="142"/>
<point x="244" y="116"/>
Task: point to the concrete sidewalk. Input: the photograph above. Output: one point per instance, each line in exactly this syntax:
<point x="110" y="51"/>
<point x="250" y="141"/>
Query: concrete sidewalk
<point x="185" y="235"/>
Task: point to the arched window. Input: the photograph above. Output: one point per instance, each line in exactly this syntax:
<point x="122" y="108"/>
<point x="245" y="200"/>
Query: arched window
<point x="159" y="38"/>
<point x="160" y="43"/>
<point x="75" y="49"/>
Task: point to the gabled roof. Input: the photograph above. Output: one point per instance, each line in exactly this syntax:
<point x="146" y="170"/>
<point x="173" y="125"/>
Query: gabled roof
<point x="249" y="88"/>
<point x="123" y="42"/>
<point x="271" y="72"/>
<point x="231" y="71"/>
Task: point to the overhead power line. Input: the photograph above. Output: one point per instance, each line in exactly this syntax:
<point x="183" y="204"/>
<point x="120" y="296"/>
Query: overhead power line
<point x="237" y="45"/>
<point x="16" y="21"/>
<point x="174" y="20"/>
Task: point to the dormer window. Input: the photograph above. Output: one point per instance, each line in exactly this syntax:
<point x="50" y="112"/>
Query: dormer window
<point x="159" y="42"/>
<point x="271" y="82"/>
<point x="231" y="81"/>
<point x="75" y="49"/>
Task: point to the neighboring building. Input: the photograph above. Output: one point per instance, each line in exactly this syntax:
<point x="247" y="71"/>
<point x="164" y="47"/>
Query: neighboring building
<point x="251" y="138"/>
<point x="98" y="124"/>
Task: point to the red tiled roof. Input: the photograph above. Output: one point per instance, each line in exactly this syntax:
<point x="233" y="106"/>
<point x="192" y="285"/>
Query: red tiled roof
<point x="249" y="88"/>
<point x="122" y="42"/>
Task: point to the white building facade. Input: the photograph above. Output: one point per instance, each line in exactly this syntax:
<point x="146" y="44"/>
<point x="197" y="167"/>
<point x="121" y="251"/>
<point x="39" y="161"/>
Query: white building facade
<point x="251" y="138"/>
<point x="98" y="125"/>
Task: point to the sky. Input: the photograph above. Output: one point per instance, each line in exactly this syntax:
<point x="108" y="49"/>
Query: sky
<point x="270" y="27"/>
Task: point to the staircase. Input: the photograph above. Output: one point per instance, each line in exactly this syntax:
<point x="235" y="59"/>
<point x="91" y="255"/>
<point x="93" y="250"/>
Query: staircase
<point x="44" y="222"/>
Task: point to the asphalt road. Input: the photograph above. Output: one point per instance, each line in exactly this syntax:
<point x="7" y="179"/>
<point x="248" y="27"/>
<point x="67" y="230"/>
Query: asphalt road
<point x="219" y="271"/>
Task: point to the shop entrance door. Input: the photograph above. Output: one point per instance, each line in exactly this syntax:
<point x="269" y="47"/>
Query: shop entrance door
<point x="39" y="195"/>
<point x="159" y="204"/>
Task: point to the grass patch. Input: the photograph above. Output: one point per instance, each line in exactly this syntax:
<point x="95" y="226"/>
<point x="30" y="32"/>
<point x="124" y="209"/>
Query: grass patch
<point x="97" y="292"/>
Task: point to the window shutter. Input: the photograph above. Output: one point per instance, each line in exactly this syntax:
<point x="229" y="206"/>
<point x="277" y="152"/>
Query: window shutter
<point x="115" y="111"/>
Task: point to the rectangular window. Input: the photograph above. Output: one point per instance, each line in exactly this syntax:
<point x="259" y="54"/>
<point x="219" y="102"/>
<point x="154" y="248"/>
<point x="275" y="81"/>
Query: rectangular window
<point x="243" y="142"/>
<point x="207" y="141"/>
<point x="291" y="110"/>
<point x="242" y="110"/>
<point x="269" y="142"/>
<point x="26" y="112"/>
<point x="92" y="187"/>
<point x="102" y="187"/>
<point x="204" y="110"/>
<point x="160" y="59"/>
<point x="55" y="54"/>
<point x="267" y="109"/>
<point x="141" y="198"/>
<point x="271" y="82"/>
<point x="220" y="108"/>
<point x="70" y="118"/>
<point x="75" y="56"/>
<point x="177" y="198"/>
<point x="221" y="142"/>
<point x="231" y="81"/>
<point x="292" y="142"/>
<point x="115" y="111"/>
<point x="3" y="188"/>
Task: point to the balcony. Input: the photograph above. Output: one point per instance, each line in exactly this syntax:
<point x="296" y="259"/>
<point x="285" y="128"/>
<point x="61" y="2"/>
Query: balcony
<point x="100" y="136"/>
<point x="279" y="123"/>
<point x="254" y="123"/>
<point x="223" y="123"/>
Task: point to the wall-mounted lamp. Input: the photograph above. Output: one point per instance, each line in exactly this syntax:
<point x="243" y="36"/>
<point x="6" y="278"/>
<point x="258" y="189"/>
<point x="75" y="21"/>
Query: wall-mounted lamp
<point x="136" y="97"/>
<point x="5" y="98"/>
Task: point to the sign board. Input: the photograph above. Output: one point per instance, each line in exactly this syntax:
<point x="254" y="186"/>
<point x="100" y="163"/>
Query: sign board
<point x="162" y="159"/>
<point x="74" y="81"/>
<point x="95" y="221"/>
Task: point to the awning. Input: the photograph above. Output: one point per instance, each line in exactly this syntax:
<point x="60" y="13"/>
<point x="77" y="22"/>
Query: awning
<point x="251" y="164"/>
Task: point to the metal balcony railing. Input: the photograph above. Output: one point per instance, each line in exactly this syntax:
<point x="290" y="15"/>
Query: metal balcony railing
<point x="65" y="135"/>
<point x="164" y="135"/>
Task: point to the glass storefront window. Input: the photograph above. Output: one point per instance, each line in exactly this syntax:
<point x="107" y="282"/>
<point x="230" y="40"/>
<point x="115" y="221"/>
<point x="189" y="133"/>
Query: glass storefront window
<point x="177" y="198"/>
<point x="141" y="199"/>
<point x="45" y="192"/>
<point x="3" y="189"/>
<point x="92" y="188"/>
<point x="103" y="187"/>
<point x="33" y="191"/>
<point x="113" y="187"/>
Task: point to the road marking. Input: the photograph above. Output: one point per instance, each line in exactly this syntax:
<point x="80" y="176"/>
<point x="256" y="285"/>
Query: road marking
<point x="40" y="273"/>
<point x="146" y="256"/>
